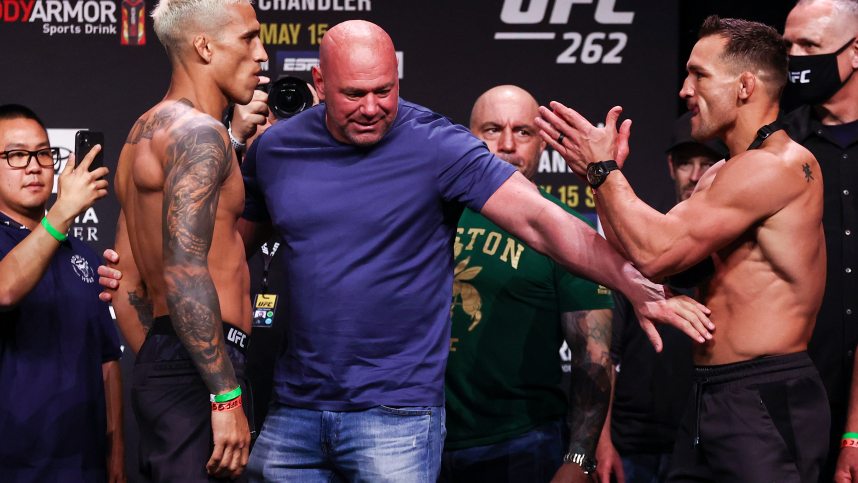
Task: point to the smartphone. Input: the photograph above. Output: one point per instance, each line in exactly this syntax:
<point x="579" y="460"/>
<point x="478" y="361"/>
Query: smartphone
<point x="84" y="142"/>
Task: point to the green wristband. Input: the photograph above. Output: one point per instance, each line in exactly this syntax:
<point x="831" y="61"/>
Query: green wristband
<point x="850" y="435"/>
<point x="60" y="237"/>
<point x="227" y="396"/>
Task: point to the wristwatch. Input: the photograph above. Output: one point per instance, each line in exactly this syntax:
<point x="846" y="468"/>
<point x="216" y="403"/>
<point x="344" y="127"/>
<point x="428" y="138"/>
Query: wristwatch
<point x="587" y="464"/>
<point x="597" y="172"/>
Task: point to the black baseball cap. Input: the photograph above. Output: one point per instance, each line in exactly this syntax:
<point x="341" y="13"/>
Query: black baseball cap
<point x="682" y="137"/>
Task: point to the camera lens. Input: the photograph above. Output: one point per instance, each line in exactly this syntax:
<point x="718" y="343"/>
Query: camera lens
<point x="288" y="96"/>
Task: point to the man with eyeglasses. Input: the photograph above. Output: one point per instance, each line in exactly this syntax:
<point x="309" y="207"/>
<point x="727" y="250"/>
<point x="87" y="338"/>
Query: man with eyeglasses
<point x="61" y="397"/>
<point x="823" y="58"/>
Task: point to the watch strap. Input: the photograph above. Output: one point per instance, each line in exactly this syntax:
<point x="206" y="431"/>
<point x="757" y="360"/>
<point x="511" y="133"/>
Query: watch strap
<point x="605" y="168"/>
<point x="587" y="463"/>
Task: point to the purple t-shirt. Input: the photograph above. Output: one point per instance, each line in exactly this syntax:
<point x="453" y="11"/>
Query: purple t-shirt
<point x="368" y="236"/>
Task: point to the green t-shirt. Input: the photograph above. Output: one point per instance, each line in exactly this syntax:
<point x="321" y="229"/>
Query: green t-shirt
<point x="503" y="374"/>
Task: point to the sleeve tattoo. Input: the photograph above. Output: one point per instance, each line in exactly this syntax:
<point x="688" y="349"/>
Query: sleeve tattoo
<point x="198" y="162"/>
<point x="588" y="334"/>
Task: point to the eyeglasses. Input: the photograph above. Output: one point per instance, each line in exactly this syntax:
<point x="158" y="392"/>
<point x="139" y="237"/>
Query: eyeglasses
<point x="20" y="158"/>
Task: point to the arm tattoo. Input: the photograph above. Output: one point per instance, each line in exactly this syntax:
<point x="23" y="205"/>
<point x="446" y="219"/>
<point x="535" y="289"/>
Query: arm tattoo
<point x="143" y="307"/>
<point x="145" y="128"/>
<point x="588" y="334"/>
<point x="198" y="161"/>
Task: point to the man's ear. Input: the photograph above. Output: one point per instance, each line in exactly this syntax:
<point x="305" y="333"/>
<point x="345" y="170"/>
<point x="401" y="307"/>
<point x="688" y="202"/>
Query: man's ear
<point x="203" y="48"/>
<point x="319" y="82"/>
<point x="747" y="84"/>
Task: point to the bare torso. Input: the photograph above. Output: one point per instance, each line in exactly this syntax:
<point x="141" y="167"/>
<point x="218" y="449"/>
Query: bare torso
<point x="140" y="180"/>
<point x="768" y="283"/>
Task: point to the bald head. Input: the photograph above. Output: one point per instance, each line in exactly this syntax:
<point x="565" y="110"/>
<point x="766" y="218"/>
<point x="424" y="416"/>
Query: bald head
<point x="356" y="38"/>
<point x="508" y="94"/>
<point x="359" y="82"/>
<point x="503" y="117"/>
<point x="821" y="26"/>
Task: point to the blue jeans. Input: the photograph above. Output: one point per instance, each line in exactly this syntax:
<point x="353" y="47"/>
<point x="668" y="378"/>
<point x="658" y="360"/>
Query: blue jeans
<point x="646" y="468"/>
<point x="532" y="457"/>
<point x="373" y="445"/>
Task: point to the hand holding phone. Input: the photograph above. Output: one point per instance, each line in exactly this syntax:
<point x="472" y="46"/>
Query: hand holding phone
<point x="84" y="141"/>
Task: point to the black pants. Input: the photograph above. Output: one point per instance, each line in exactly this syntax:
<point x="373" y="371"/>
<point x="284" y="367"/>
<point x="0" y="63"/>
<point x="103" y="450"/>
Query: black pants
<point x="763" y="420"/>
<point x="171" y="404"/>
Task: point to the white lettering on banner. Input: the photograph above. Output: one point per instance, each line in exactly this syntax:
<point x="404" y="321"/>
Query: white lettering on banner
<point x="512" y="13"/>
<point x="550" y="161"/>
<point x="587" y="47"/>
<point x="316" y="5"/>
<point x="299" y="64"/>
<point x="101" y="11"/>
<point x="88" y="216"/>
<point x="85" y="233"/>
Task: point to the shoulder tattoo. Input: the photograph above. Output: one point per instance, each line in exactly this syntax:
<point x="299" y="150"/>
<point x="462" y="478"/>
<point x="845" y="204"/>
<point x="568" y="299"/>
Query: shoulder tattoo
<point x="147" y="126"/>
<point x="808" y="174"/>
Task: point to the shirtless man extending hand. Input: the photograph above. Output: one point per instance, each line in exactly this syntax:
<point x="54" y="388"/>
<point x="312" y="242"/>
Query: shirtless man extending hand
<point x="759" y="411"/>
<point x="183" y="305"/>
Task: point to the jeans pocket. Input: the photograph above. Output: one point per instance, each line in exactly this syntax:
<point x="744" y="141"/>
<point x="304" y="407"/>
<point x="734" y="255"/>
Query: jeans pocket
<point x="407" y="410"/>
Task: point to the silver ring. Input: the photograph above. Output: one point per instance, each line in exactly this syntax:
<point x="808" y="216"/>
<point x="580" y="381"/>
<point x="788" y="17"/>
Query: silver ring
<point x="560" y="138"/>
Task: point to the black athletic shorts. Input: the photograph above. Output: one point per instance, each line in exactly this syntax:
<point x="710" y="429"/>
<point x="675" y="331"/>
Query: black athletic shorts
<point x="763" y="420"/>
<point x="172" y="407"/>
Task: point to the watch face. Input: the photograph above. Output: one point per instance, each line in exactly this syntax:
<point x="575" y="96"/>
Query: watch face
<point x="595" y="174"/>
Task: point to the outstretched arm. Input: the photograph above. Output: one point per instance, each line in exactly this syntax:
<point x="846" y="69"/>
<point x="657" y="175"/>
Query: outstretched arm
<point x="198" y="162"/>
<point x="518" y="208"/>
<point x="660" y="244"/>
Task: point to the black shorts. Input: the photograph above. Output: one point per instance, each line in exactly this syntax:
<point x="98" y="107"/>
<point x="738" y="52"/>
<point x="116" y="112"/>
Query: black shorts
<point x="171" y="404"/>
<point x="763" y="420"/>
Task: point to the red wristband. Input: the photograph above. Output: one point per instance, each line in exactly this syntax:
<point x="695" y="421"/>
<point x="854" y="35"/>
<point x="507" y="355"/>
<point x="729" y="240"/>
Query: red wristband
<point x="226" y="406"/>
<point x="849" y="442"/>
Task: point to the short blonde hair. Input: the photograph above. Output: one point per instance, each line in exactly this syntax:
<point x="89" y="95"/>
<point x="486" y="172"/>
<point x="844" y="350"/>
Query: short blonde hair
<point x="174" y="18"/>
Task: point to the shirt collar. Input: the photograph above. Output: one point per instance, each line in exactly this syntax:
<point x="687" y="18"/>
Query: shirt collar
<point x="7" y="221"/>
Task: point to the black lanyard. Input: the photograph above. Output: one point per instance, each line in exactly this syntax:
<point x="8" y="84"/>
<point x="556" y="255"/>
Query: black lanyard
<point x="763" y="133"/>
<point x="267" y="257"/>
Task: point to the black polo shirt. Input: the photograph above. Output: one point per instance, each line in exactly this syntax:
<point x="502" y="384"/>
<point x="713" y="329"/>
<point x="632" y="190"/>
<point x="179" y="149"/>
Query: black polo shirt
<point x="835" y="336"/>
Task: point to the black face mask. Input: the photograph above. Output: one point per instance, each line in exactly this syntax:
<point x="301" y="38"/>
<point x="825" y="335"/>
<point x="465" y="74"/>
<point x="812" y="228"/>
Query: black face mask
<point x="813" y="79"/>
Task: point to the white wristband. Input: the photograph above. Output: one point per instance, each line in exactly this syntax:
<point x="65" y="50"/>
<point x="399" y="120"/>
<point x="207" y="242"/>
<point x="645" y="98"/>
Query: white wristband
<point x="235" y="144"/>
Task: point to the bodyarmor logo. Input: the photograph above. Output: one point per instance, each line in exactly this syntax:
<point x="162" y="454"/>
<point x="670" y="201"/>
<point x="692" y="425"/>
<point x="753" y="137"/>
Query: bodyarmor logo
<point x="133" y="22"/>
<point x="82" y="269"/>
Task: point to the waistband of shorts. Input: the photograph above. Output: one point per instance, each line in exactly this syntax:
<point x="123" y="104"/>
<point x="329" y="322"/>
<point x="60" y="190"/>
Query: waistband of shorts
<point x="759" y="366"/>
<point x="233" y="336"/>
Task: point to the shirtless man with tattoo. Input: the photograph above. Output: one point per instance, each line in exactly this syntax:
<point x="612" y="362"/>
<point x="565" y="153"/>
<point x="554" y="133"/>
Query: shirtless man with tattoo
<point x="182" y="305"/>
<point x="758" y="411"/>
